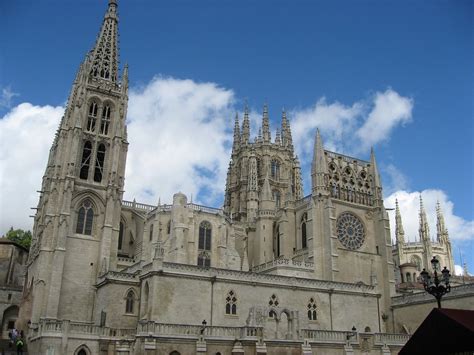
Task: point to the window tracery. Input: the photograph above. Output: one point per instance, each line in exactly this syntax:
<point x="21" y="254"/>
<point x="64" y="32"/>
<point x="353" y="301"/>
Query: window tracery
<point x="204" y="244"/>
<point x="86" y="160"/>
<point x="231" y="303"/>
<point x="350" y="231"/>
<point x="85" y="218"/>
<point x="105" y="121"/>
<point x="92" y="116"/>
<point x="99" y="163"/>
<point x="350" y="182"/>
<point x="273" y="302"/>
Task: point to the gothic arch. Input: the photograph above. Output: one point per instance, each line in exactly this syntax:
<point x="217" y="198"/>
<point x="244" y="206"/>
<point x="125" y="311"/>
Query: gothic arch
<point x="82" y="350"/>
<point x="131" y="299"/>
<point x="97" y="200"/>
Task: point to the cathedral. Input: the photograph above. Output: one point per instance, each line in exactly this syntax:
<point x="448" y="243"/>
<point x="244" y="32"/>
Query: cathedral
<point x="271" y="272"/>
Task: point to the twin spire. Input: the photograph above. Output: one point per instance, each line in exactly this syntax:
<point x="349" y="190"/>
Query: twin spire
<point x="423" y="229"/>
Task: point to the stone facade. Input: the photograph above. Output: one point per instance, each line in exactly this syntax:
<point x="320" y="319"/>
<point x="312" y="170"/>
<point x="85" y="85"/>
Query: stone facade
<point x="13" y="258"/>
<point x="271" y="272"/>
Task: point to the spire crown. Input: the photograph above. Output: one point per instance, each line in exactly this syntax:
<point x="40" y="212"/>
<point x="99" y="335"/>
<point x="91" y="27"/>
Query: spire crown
<point x="104" y="55"/>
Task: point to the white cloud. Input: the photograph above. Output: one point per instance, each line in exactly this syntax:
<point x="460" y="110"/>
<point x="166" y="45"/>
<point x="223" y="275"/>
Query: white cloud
<point x="390" y="109"/>
<point x="395" y="179"/>
<point x="459" y="229"/>
<point x="180" y="133"/>
<point x="26" y="134"/>
<point x="6" y="97"/>
<point x="372" y="121"/>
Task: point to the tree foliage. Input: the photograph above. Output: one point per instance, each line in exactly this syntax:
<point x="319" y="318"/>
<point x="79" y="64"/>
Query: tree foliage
<point x="19" y="236"/>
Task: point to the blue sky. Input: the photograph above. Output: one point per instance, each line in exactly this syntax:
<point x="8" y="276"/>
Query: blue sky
<point x="320" y="60"/>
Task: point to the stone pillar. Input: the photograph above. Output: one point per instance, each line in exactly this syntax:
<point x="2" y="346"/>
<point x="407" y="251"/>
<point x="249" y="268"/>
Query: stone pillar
<point x="238" y="348"/>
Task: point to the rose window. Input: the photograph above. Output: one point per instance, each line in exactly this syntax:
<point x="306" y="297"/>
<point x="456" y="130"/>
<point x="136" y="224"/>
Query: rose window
<point x="350" y="231"/>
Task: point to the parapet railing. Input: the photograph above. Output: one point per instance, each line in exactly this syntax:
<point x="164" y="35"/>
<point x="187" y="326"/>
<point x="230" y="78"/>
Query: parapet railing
<point x="51" y="327"/>
<point x="152" y="328"/>
<point x="283" y="262"/>
<point x="391" y="339"/>
<point x="328" y="336"/>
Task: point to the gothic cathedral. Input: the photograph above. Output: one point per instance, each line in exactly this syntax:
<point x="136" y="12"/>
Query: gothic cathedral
<point x="271" y="270"/>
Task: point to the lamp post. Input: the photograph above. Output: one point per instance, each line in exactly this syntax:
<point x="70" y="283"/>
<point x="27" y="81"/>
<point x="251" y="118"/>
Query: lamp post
<point x="439" y="285"/>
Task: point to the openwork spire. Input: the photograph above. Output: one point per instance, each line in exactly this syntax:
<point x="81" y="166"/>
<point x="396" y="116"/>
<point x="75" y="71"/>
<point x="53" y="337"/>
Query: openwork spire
<point x="104" y="56"/>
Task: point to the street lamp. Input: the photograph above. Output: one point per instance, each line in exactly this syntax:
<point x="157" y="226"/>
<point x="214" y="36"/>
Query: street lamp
<point x="438" y="286"/>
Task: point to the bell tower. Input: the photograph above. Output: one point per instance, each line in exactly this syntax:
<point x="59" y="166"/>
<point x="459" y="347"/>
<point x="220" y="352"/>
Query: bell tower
<point x="77" y="221"/>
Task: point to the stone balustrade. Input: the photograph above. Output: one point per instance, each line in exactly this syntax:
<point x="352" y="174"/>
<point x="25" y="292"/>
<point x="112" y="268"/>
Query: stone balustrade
<point x="391" y="339"/>
<point x="326" y="336"/>
<point x="307" y="266"/>
<point x="194" y="331"/>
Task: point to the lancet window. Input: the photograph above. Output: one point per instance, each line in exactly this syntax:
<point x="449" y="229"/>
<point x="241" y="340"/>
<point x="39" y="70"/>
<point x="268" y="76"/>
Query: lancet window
<point x="276" y="198"/>
<point x="231" y="303"/>
<point x="204" y="246"/>
<point x="151" y="232"/>
<point x="105" y="121"/>
<point x="129" y="302"/>
<point x="86" y="160"/>
<point x="304" y="238"/>
<point x="312" y="315"/>
<point x="92" y="116"/>
<point x="99" y="163"/>
<point x="120" y="237"/>
<point x="85" y="218"/>
<point x="275" y="170"/>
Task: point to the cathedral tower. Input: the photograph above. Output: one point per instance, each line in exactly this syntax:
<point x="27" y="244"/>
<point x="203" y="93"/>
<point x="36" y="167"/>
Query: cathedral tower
<point x="76" y="226"/>
<point x="263" y="177"/>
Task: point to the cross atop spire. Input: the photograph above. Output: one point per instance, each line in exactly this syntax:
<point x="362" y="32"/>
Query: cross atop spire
<point x="104" y="55"/>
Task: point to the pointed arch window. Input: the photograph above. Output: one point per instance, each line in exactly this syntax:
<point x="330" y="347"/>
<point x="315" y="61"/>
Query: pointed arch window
<point x="276" y="241"/>
<point x="275" y="170"/>
<point x="85" y="218"/>
<point x="312" y="315"/>
<point x="86" y="160"/>
<point x="276" y="198"/>
<point x="231" y="303"/>
<point x="99" y="163"/>
<point x="273" y="302"/>
<point x="151" y="232"/>
<point x="92" y="116"/>
<point x="105" y="121"/>
<point x="204" y="246"/>
<point x="205" y="232"/>
<point x="168" y="227"/>
<point x="129" y="302"/>
<point x="120" y="238"/>
<point x="304" y="237"/>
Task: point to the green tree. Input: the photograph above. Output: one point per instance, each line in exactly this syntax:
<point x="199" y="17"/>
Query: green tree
<point x="19" y="236"/>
